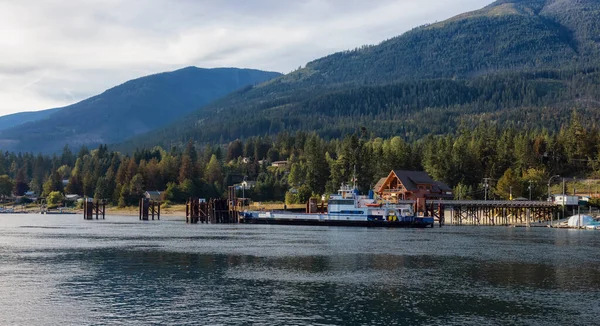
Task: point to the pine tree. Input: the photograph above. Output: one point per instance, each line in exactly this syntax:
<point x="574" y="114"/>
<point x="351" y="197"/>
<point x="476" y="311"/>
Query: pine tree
<point x="234" y="150"/>
<point x="213" y="172"/>
<point x="509" y="185"/>
<point x="136" y="186"/>
<point x="317" y="168"/>
<point x="186" y="171"/>
<point x="101" y="191"/>
<point x="21" y="185"/>
<point x="6" y="186"/>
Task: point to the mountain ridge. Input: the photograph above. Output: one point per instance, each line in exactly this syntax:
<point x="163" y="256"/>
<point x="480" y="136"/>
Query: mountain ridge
<point x="19" y="118"/>
<point x="134" y="107"/>
<point x="545" y="45"/>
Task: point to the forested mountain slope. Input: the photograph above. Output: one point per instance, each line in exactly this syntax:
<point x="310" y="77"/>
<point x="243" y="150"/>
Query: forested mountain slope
<point x="15" y="119"/>
<point x="133" y="108"/>
<point x="511" y="62"/>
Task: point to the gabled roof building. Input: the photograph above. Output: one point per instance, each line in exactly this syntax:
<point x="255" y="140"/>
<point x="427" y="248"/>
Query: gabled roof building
<point x="408" y="185"/>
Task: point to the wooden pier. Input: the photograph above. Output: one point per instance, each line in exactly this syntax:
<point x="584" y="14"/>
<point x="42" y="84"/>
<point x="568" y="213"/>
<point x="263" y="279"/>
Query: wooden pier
<point x="147" y="208"/>
<point x="487" y="212"/>
<point x="90" y="209"/>
<point x="215" y="211"/>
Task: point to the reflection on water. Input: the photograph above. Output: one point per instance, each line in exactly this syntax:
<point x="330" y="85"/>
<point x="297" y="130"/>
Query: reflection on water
<point x="61" y="270"/>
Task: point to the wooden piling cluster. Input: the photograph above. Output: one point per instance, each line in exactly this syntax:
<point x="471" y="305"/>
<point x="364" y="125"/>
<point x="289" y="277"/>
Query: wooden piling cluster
<point x="90" y="209"/>
<point x="147" y="208"/>
<point x="314" y="207"/>
<point x="435" y="210"/>
<point x="215" y="211"/>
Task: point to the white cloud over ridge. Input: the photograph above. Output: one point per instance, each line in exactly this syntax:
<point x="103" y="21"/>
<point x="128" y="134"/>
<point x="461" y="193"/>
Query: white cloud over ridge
<point x="55" y="53"/>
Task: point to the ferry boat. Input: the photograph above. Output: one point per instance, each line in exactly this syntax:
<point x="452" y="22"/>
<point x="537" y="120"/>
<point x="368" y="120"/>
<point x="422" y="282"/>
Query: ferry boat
<point x="346" y="208"/>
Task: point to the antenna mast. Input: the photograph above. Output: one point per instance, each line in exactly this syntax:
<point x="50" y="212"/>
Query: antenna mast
<point x="354" y="177"/>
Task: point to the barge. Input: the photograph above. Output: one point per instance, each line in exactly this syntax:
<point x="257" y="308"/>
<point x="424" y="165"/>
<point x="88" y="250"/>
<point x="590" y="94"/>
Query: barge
<point x="346" y="208"/>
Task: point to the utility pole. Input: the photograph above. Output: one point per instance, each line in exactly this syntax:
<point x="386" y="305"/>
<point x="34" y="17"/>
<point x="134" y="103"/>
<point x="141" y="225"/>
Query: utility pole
<point x="549" y="182"/>
<point x="563" y="199"/>
<point x="485" y="186"/>
<point x="244" y="192"/>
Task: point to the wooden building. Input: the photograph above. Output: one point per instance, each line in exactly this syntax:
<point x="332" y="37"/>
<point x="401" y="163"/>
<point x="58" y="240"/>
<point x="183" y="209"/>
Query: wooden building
<point x="409" y="185"/>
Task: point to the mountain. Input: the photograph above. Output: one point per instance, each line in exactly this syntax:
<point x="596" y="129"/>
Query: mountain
<point x="526" y="63"/>
<point x="15" y="119"/>
<point x="133" y="108"/>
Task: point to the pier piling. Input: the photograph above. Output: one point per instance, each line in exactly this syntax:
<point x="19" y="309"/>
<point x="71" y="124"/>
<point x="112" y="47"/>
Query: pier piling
<point x="147" y="208"/>
<point x="90" y="209"/>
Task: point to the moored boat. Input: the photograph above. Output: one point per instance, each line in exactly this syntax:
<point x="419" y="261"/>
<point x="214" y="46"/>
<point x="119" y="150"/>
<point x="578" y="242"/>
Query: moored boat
<point x="346" y="208"/>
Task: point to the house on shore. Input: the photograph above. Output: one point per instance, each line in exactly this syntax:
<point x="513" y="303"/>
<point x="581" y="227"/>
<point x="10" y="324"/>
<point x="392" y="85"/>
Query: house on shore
<point x="245" y="185"/>
<point x="153" y="195"/>
<point x="411" y="185"/>
<point x="280" y="164"/>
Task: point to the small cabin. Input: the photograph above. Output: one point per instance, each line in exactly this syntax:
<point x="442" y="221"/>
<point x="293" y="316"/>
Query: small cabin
<point x="245" y="185"/>
<point x="280" y="164"/>
<point x="153" y="195"/>
<point x="566" y="200"/>
<point x="410" y="185"/>
<point x="72" y="197"/>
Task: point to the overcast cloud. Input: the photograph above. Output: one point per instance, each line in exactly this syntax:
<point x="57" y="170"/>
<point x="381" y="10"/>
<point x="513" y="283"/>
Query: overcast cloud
<point x="54" y="53"/>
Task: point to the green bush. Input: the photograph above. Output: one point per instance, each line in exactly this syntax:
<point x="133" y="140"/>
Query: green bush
<point x="300" y="196"/>
<point x="54" y="198"/>
<point x="291" y="198"/>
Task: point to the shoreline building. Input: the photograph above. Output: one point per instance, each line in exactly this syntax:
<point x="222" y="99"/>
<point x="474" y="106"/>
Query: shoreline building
<point x="411" y="185"/>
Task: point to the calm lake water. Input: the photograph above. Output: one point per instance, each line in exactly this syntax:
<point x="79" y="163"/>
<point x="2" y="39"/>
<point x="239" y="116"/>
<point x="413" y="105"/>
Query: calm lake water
<point x="62" y="270"/>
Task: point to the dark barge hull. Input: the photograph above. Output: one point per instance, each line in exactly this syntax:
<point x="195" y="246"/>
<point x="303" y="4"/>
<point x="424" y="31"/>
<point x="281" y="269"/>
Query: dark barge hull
<point x="384" y="224"/>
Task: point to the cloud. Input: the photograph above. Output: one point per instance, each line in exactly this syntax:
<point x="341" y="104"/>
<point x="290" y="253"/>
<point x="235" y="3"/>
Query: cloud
<point x="57" y="52"/>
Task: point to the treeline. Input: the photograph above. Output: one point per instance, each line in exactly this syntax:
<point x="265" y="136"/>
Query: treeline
<point x="536" y="100"/>
<point x="512" y="160"/>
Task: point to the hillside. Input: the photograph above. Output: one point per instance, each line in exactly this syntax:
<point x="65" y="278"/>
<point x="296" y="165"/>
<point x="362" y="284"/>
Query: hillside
<point x="511" y="62"/>
<point x="133" y="108"/>
<point x="15" y="119"/>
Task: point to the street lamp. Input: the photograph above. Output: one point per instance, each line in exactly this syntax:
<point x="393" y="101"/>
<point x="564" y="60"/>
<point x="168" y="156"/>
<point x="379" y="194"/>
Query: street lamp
<point x="243" y="192"/>
<point x="549" y="181"/>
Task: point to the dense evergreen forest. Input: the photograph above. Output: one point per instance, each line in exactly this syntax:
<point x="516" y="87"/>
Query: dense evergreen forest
<point x="537" y="100"/>
<point x="510" y="157"/>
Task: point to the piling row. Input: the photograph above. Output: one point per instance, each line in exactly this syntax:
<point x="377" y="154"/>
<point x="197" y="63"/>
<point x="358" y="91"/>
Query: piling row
<point x="215" y="211"/>
<point x="149" y="208"/>
<point x="90" y="209"/>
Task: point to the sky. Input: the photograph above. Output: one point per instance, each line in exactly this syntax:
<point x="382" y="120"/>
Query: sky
<point x="58" y="52"/>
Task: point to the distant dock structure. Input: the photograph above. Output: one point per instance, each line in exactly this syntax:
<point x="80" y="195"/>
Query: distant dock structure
<point x="91" y="209"/>
<point x="215" y="210"/>
<point x="149" y="205"/>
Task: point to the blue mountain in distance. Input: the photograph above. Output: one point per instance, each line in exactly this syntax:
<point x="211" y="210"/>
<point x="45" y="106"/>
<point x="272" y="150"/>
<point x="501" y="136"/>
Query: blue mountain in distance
<point x="16" y="119"/>
<point x="135" y="107"/>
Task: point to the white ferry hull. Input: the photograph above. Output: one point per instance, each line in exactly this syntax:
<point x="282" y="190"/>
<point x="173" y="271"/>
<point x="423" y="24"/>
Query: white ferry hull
<point x="334" y="219"/>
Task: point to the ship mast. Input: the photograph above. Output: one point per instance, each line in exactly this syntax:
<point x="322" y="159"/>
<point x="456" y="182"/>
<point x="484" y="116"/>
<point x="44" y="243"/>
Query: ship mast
<point x="354" y="177"/>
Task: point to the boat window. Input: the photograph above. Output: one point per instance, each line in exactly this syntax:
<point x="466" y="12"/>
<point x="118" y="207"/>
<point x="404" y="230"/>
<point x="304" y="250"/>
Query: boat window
<point x="341" y="202"/>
